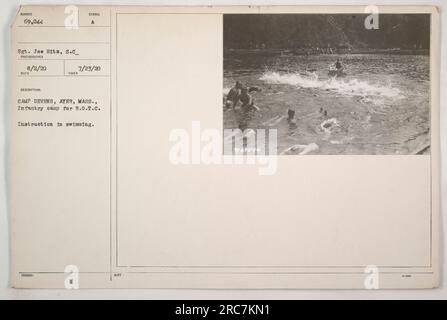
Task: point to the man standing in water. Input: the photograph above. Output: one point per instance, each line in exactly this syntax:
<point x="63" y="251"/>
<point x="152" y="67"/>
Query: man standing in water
<point x="291" y="118"/>
<point x="242" y="93"/>
<point x="245" y="113"/>
<point x="247" y="100"/>
<point x="233" y="95"/>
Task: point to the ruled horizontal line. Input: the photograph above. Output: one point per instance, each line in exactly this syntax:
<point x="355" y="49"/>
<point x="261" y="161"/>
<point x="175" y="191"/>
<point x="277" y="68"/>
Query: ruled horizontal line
<point x="68" y="28"/>
<point x="230" y="272"/>
<point x="67" y="59"/>
<point x="67" y="76"/>
<point x="62" y="42"/>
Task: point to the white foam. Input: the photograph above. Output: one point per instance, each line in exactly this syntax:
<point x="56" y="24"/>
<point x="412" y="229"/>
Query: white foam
<point x="353" y="87"/>
<point x="304" y="148"/>
<point x="331" y="124"/>
<point x="226" y="90"/>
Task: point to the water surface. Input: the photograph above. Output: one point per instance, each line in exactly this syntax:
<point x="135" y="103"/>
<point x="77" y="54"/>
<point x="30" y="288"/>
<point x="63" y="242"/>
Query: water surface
<point x="381" y="106"/>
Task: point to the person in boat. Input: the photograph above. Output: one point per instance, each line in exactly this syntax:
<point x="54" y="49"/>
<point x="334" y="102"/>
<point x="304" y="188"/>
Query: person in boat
<point x="338" y="65"/>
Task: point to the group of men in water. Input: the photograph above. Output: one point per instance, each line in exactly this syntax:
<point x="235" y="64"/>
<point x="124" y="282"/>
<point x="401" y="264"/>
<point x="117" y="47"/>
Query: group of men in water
<point x="242" y="93"/>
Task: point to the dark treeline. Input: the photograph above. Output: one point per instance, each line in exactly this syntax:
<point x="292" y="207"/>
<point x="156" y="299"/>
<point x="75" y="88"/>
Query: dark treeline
<point x="342" y="31"/>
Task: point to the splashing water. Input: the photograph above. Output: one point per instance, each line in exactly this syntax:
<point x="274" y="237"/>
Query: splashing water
<point x="226" y="90"/>
<point x="328" y="125"/>
<point x="352" y="87"/>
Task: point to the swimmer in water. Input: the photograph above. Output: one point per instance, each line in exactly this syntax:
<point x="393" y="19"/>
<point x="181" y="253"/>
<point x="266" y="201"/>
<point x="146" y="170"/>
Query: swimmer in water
<point x="291" y="118"/>
<point x="290" y="114"/>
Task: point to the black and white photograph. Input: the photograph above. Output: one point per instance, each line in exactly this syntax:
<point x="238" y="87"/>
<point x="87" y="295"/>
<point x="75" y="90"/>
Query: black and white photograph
<point x="330" y="84"/>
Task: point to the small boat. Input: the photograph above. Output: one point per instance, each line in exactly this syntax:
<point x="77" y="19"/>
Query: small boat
<point x="333" y="72"/>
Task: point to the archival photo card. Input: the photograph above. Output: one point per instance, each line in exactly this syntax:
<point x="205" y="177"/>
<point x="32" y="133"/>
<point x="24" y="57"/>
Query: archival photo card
<point x="329" y="175"/>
